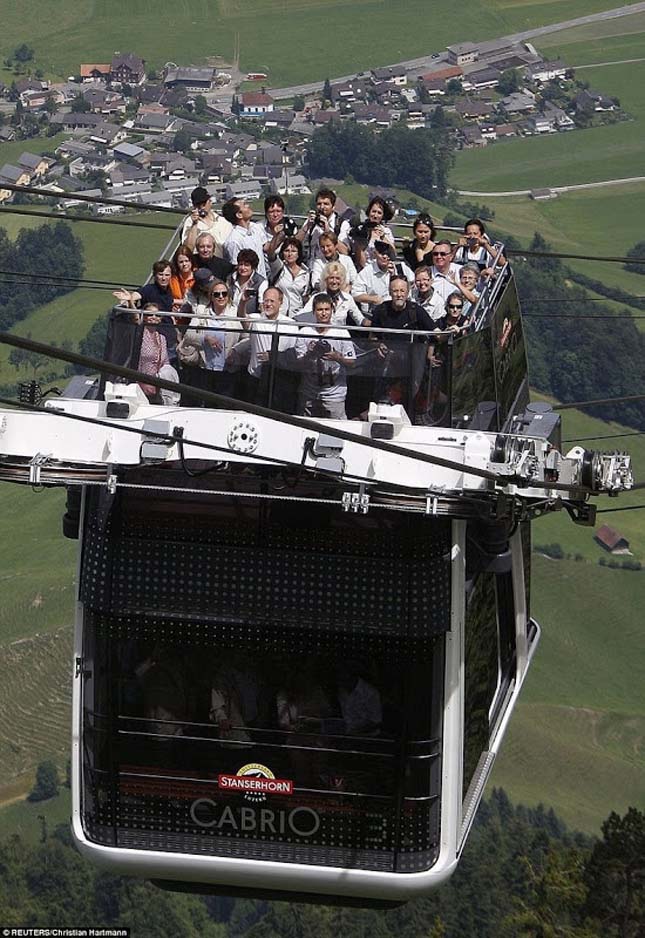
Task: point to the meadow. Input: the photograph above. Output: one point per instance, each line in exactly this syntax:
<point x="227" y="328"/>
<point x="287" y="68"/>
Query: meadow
<point x="294" y="40"/>
<point x="576" y="739"/>
<point x="11" y="150"/>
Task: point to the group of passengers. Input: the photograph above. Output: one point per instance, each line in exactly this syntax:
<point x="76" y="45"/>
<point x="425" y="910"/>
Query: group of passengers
<point x="259" y="304"/>
<point x="304" y="709"/>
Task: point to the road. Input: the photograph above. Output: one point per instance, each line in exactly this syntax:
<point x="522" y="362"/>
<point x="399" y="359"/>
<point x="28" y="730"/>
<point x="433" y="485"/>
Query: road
<point x="427" y="60"/>
<point x="582" y="185"/>
<point x="603" y="64"/>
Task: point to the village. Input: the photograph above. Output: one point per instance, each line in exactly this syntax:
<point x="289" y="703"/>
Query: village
<point x="126" y="132"/>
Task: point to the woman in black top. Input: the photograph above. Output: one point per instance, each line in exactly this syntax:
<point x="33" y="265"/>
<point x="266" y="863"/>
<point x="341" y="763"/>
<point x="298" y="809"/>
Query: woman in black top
<point x="419" y="250"/>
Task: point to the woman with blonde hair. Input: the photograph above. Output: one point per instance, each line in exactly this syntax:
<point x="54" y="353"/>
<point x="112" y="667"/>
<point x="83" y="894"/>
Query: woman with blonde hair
<point x="333" y="282"/>
<point x="209" y="339"/>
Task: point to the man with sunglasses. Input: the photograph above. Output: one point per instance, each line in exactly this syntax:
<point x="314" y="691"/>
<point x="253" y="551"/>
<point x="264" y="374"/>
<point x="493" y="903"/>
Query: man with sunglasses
<point x="444" y="272"/>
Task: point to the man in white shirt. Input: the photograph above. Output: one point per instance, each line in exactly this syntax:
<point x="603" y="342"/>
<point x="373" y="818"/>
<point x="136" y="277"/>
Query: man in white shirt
<point x="262" y="328"/>
<point x="444" y="273"/>
<point x="244" y="234"/>
<point x="372" y="285"/>
<point x="320" y="221"/>
<point x="204" y="218"/>
<point x="324" y="352"/>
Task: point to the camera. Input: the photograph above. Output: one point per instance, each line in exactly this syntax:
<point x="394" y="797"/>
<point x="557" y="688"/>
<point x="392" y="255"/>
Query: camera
<point x="473" y="242"/>
<point x="362" y="232"/>
<point x="289" y="227"/>
<point x="203" y="213"/>
<point x="321" y="348"/>
<point x="320" y="219"/>
<point x="250" y="293"/>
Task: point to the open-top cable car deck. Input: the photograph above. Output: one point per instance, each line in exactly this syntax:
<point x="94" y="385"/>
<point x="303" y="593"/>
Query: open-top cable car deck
<point x="299" y="640"/>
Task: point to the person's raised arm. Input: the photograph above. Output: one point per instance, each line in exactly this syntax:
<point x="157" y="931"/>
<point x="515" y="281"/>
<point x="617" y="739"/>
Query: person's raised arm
<point x="127" y="297"/>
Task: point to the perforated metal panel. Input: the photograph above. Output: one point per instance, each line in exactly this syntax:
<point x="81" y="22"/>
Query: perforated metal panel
<point x="359" y="836"/>
<point x="281" y="586"/>
<point x="381" y="576"/>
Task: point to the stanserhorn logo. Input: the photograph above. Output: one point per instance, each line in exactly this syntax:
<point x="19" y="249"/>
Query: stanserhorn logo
<point x="256" y="781"/>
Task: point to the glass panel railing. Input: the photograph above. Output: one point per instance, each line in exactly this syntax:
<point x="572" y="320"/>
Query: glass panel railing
<point x="467" y="378"/>
<point x="293" y="367"/>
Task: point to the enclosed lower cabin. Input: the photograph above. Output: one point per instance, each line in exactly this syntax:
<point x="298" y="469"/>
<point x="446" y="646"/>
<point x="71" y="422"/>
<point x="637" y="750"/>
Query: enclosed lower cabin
<point x="281" y="696"/>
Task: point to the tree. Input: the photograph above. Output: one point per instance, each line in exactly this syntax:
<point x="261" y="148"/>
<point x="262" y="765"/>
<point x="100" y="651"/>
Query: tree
<point x="638" y="251"/>
<point x="47" y="781"/>
<point x="326" y="91"/>
<point x="50" y="105"/>
<point x="454" y="86"/>
<point x="201" y="105"/>
<point x="95" y="179"/>
<point x="79" y="105"/>
<point x="23" y="53"/>
<point x="615" y="875"/>
<point x="182" y="141"/>
<point x="299" y="102"/>
<point x="418" y="160"/>
<point x="509" y="82"/>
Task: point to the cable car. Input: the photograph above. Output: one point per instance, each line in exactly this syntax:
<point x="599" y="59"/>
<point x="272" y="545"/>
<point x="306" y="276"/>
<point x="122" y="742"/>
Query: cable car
<point x="299" y="642"/>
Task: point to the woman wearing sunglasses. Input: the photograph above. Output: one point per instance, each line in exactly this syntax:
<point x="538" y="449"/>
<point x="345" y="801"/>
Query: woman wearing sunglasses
<point x="208" y="341"/>
<point x="456" y="320"/>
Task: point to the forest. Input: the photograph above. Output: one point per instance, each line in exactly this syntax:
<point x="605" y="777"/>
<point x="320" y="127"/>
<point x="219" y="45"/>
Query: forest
<point x="522" y="875"/>
<point x="419" y="160"/>
<point x="578" y="350"/>
<point x="50" y="259"/>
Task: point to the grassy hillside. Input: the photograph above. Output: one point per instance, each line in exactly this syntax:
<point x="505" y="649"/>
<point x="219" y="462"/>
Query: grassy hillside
<point x="373" y="31"/>
<point x="38" y="564"/>
<point x="24" y="817"/>
<point x="35" y="704"/>
<point x="576" y="741"/>
<point x="112" y="253"/>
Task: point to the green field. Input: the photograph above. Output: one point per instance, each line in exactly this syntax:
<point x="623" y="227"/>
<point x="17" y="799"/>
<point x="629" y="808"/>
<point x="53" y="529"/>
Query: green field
<point x="586" y="44"/>
<point x="13" y="149"/>
<point x="318" y="38"/>
<point x="594" y="222"/>
<point x="576" y="741"/>
<point x="38" y="564"/>
<point x="24" y="817"/>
